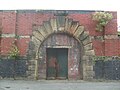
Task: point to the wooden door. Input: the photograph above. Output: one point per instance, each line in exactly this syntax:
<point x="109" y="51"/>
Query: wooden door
<point x="57" y="63"/>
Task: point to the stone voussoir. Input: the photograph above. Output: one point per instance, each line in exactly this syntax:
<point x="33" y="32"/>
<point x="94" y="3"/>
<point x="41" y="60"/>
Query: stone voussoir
<point x="38" y="35"/>
<point x="42" y="31"/>
<point x="84" y="35"/>
<point x="36" y="42"/>
<point x="48" y="27"/>
<point x="74" y="26"/>
<point x="69" y="24"/>
<point x="53" y="23"/>
<point x="87" y="40"/>
<point x="90" y="52"/>
<point x="79" y="31"/>
<point x="88" y="46"/>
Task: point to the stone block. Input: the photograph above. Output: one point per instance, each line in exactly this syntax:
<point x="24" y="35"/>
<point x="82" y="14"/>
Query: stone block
<point x="38" y="35"/>
<point x="53" y="23"/>
<point x="89" y="52"/>
<point x="8" y="35"/>
<point x="74" y="26"/>
<point x="68" y="24"/>
<point x="88" y="46"/>
<point x="83" y="35"/>
<point x="31" y="45"/>
<point x="89" y="68"/>
<point x="31" y="67"/>
<point x="36" y="42"/>
<point x="42" y="30"/>
<point x="98" y="38"/>
<point x="89" y="62"/>
<point x="87" y="40"/>
<point x="60" y="21"/>
<point x="31" y="62"/>
<point x="29" y="73"/>
<point x="90" y="73"/>
<point x="61" y="29"/>
<point x="31" y="77"/>
<point x="48" y="27"/>
<point x="111" y="36"/>
<point x="84" y="58"/>
<point x="79" y="30"/>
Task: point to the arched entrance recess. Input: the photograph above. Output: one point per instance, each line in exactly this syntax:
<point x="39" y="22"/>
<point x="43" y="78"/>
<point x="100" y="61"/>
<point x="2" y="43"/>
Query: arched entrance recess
<point x="65" y="27"/>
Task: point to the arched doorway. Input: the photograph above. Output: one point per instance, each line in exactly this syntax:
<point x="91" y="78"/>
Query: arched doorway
<point x="67" y="28"/>
<point x="62" y="54"/>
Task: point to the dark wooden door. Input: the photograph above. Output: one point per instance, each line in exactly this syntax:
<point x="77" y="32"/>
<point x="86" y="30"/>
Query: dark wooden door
<point x="57" y="63"/>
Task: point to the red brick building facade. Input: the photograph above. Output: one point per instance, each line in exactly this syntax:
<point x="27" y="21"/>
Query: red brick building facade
<point x="23" y="23"/>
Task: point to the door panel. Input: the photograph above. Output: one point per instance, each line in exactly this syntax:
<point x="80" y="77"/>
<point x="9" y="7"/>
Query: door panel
<point x="62" y="60"/>
<point x="51" y="70"/>
<point x="57" y="63"/>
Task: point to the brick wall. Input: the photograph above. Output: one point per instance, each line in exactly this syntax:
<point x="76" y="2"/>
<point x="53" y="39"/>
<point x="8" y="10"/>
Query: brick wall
<point x="111" y="47"/>
<point x="21" y="23"/>
<point x="6" y="44"/>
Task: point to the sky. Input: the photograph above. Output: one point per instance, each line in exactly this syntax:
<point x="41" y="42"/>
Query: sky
<point x="106" y="5"/>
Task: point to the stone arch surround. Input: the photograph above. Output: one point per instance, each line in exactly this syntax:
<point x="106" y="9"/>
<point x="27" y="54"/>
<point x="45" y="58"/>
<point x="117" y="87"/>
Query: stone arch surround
<point x="62" y="24"/>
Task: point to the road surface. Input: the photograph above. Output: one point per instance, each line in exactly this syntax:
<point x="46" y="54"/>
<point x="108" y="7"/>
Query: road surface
<point x="57" y="85"/>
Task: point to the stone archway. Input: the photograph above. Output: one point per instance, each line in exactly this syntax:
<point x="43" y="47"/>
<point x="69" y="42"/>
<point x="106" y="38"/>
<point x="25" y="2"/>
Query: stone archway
<point x="61" y="24"/>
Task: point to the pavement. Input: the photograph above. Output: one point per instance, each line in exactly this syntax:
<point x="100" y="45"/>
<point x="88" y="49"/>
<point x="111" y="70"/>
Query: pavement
<point x="57" y="85"/>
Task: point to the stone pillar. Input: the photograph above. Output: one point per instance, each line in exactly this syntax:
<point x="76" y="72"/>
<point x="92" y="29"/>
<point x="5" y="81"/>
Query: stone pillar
<point x="88" y="72"/>
<point x="31" y="69"/>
